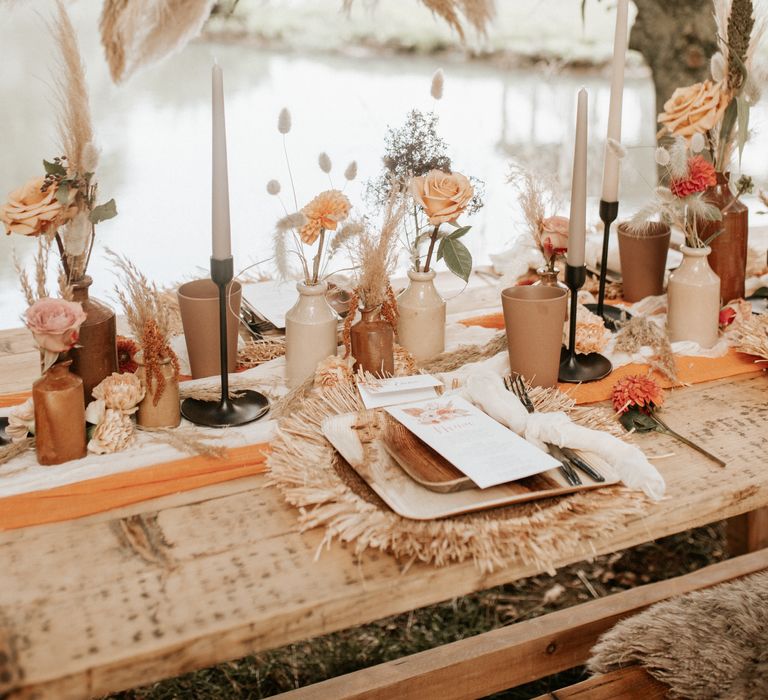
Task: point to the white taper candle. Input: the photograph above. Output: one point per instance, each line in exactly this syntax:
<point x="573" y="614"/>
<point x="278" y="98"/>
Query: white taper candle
<point x="577" y="223"/>
<point x="222" y="246"/>
<point x="611" y="168"/>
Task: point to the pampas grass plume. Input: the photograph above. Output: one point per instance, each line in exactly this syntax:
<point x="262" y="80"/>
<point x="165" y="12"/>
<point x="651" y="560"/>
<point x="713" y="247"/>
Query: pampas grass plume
<point x="273" y="187"/>
<point x="284" y="121"/>
<point x="438" y="83"/>
<point x="351" y="172"/>
<point x="324" y="161"/>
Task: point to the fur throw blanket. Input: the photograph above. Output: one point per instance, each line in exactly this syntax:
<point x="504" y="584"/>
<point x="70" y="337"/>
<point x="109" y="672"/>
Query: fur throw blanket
<point x="710" y="644"/>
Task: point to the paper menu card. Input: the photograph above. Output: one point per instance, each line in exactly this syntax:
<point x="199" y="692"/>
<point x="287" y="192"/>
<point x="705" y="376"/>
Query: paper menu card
<point x="271" y="300"/>
<point x="398" y="390"/>
<point x="484" y="450"/>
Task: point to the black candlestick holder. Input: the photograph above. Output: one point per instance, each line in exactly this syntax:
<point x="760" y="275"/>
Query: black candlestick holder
<point x="576" y="368"/>
<point x="611" y="315"/>
<point x="248" y="405"/>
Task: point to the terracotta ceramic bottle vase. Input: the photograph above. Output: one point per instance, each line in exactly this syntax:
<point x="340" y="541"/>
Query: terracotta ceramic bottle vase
<point x="59" y="415"/>
<point x="373" y="339"/>
<point x="693" y="306"/>
<point x="728" y="258"/>
<point x="165" y="411"/>
<point x="96" y="355"/>
<point x="310" y="333"/>
<point x="643" y="260"/>
<point x="421" y="321"/>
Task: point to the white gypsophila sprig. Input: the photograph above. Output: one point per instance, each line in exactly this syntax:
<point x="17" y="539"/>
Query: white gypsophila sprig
<point x="717" y="66"/>
<point x="324" y="161"/>
<point x="351" y="172"/>
<point x="662" y="156"/>
<point x="284" y="121"/>
<point x="617" y="148"/>
<point x="698" y="142"/>
<point x="273" y="187"/>
<point x="678" y="159"/>
<point x="438" y="83"/>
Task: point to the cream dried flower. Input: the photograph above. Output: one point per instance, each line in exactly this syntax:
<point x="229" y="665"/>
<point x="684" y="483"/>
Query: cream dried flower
<point x="21" y="421"/>
<point x="273" y="187"/>
<point x="662" y="156"/>
<point x="438" y="83"/>
<point x="113" y="434"/>
<point x="334" y="370"/>
<point x="324" y="161"/>
<point x="591" y="333"/>
<point x="405" y="365"/>
<point x="284" y="121"/>
<point x="351" y="172"/>
<point x="120" y="392"/>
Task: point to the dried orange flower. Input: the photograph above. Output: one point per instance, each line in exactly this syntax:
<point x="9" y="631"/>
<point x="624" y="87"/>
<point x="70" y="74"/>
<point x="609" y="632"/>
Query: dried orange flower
<point x="126" y="349"/>
<point x="324" y="212"/>
<point x="636" y="391"/>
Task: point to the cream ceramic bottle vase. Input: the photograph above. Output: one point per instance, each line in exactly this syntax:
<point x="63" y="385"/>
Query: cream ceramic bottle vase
<point x="310" y="332"/>
<point x="421" y="316"/>
<point x="693" y="306"/>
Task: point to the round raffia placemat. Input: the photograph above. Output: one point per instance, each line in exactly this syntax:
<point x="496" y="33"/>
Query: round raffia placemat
<point x="328" y="493"/>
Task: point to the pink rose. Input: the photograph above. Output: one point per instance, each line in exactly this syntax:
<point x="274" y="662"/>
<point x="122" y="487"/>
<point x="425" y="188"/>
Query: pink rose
<point x="444" y="196"/>
<point x="55" y="323"/>
<point x="554" y="236"/>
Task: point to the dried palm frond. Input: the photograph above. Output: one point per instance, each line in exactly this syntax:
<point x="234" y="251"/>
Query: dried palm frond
<point x="140" y="31"/>
<point x="478" y="13"/>
<point x="74" y="110"/>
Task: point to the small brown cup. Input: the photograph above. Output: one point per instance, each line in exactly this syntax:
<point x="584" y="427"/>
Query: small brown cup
<point x="199" y="306"/>
<point x="643" y="260"/>
<point x="534" y="318"/>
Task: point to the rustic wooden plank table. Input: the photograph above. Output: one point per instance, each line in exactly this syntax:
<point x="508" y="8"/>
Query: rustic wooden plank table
<point x="163" y="587"/>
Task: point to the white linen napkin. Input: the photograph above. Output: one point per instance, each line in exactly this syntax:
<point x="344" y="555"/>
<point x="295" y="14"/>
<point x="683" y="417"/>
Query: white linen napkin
<point x="486" y="390"/>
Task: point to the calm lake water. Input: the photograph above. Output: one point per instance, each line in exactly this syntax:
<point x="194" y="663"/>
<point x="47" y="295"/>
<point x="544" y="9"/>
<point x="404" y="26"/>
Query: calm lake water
<point x="155" y="137"/>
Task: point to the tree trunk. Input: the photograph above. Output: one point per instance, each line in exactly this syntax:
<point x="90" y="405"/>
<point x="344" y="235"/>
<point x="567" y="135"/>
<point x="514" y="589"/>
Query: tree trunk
<point x="676" y="38"/>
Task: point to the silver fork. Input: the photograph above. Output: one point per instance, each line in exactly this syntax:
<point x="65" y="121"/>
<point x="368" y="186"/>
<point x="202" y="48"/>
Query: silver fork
<point x="517" y="386"/>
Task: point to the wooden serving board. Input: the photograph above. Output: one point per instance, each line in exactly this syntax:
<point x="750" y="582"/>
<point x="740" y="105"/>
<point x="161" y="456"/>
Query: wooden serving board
<point x="359" y="439"/>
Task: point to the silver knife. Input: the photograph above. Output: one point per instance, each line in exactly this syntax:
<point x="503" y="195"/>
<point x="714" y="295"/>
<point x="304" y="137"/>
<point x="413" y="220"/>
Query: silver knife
<point x="568" y="471"/>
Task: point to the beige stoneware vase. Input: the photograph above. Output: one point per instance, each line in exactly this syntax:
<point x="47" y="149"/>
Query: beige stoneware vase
<point x="421" y="322"/>
<point x="167" y="412"/>
<point x="310" y="333"/>
<point x="694" y="299"/>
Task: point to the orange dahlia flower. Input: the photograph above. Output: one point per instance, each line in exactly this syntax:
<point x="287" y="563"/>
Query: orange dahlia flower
<point x="324" y="212"/>
<point x="636" y="391"/>
<point x="701" y="175"/>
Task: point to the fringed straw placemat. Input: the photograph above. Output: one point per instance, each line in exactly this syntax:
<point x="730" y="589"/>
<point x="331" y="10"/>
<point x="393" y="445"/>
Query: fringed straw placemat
<point x="329" y="494"/>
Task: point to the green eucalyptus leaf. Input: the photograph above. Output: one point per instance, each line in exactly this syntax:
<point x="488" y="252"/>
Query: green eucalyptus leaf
<point x="742" y="132"/>
<point x="62" y="193"/>
<point x="54" y="168"/>
<point x="105" y="211"/>
<point x="459" y="232"/>
<point x="440" y="249"/>
<point x="635" y="419"/>
<point x="457" y="258"/>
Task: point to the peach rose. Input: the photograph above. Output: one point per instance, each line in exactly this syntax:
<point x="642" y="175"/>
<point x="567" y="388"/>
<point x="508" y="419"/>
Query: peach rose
<point x="554" y="235"/>
<point x="55" y="323"/>
<point x="444" y="196"/>
<point x="30" y="211"/>
<point x="694" y="109"/>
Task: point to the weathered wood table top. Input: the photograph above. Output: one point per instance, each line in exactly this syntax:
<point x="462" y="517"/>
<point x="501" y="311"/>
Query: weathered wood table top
<point x="163" y="587"/>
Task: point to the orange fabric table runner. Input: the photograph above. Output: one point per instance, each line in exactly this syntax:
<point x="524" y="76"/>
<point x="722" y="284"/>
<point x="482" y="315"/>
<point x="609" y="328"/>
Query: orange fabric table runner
<point x="691" y="370"/>
<point x="116" y="490"/>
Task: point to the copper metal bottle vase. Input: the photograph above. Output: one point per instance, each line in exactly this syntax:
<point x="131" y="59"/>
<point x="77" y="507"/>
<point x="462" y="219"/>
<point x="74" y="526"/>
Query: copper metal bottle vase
<point x="372" y="339"/>
<point x="59" y="415"/>
<point x="95" y="356"/>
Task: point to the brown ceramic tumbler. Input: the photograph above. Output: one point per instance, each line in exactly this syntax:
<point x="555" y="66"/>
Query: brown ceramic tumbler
<point x="199" y="306"/>
<point x="643" y="260"/>
<point x="534" y="318"/>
